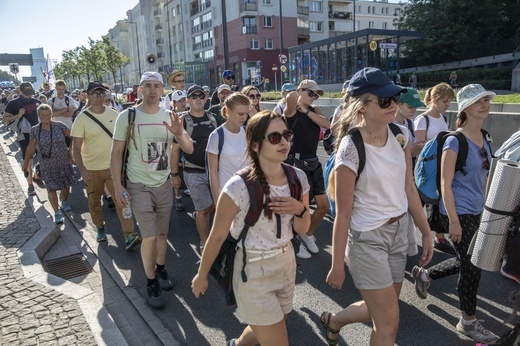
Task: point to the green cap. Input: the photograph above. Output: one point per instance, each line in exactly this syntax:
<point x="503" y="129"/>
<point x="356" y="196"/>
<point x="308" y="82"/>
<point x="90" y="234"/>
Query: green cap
<point x="412" y="98"/>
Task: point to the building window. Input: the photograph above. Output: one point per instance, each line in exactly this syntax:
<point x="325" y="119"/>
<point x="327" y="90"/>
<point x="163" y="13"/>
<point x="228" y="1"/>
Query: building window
<point x="385" y="25"/>
<point x="266" y="2"/>
<point x="268" y="21"/>
<point x="255" y="43"/>
<point x="370" y="24"/>
<point x="315" y="6"/>
<point x="316" y="26"/>
<point x="357" y="24"/>
<point x="173" y="12"/>
<point x="249" y="25"/>
<point x="359" y="9"/>
<point x="269" y="43"/>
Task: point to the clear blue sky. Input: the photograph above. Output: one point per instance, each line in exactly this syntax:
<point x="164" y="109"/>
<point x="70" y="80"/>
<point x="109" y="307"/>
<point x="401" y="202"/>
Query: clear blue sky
<point x="56" y="25"/>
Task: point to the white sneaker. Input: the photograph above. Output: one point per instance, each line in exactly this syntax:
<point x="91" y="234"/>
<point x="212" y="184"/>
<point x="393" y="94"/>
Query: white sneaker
<point x="303" y="253"/>
<point x="310" y="242"/>
<point x="477" y="332"/>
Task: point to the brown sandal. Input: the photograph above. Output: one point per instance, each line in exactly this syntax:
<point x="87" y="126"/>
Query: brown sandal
<point x="328" y="329"/>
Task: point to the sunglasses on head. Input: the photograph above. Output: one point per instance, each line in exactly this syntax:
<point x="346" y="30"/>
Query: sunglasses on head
<point x="484" y="156"/>
<point x="312" y="94"/>
<point x="385" y="102"/>
<point x="252" y="96"/>
<point x="276" y="137"/>
<point x="194" y="96"/>
<point x="230" y="77"/>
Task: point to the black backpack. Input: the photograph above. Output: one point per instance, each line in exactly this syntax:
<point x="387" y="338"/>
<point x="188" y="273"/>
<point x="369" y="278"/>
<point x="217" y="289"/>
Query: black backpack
<point x="222" y="267"/>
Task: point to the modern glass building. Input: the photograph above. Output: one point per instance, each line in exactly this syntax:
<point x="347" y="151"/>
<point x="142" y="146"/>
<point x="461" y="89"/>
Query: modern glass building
<point x="335" y="59"/>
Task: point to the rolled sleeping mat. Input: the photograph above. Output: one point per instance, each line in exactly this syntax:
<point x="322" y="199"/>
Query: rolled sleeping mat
<point x="500" y="209"/>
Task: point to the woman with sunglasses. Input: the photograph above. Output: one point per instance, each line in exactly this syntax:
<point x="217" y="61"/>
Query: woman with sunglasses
<point x="55" y="159"/>
<point x="306" y="121"/>
<point x="233" y="155"/>
<point x="254" y="94"/>
<point x="373" y="231"/>
<point x="463" y="197"/>
<point x="265" y="300"/>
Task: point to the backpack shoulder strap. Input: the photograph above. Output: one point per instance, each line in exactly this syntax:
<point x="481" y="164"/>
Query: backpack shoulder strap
<point x="427" y="119"/>
<point x="295" y="185"/>
<point x="488" y="139"/>
<point x="67" y="101"/>
<point x="445" y="118"/>
<point x="396" y="130"/>
<point x="188" y="121"/>
<point x="409" y="122"/>
<point x="463" y="152"/>
<point x="360" y="147"/>
<point x="98" y="122"/>
<point x="220" y="133"/>
<point x="212" y="118"/>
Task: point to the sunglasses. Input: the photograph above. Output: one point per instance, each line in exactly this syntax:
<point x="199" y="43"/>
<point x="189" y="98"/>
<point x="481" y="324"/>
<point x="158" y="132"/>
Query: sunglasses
<point x="180" y="81"/>
<point x="195" y="96"/>
<point x="484" y="156"/>
<point x="276" y="137"/>
<point x="385" y="102"/>
<point x="312" y="94"/>
<point x="99" y="94"/>
<point x="230" y="77"/>
<point x="253" y="96"/>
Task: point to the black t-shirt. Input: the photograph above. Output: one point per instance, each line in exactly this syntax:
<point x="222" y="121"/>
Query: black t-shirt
<point x="306" y="134"/>
<point x="201" y="130"/>
<point x="29" y="104"/>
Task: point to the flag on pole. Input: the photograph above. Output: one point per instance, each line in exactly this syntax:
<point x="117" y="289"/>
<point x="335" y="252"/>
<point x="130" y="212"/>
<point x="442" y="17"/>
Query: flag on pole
<point x="45" y="79"/>
<point x="50" y="74"/>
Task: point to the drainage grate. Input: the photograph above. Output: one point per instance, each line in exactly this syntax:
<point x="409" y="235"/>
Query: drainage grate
<point x="67" y="267"/>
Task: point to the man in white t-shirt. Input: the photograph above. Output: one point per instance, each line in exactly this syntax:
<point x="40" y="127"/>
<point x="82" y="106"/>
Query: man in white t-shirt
<point x="63" y="106"/>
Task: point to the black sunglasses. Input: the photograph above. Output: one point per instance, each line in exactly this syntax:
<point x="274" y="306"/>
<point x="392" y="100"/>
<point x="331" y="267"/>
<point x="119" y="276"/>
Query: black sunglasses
<point x="485" y="161"/>
<point x="252" y="96"/>
<point x="385" y="102"/>
<point x="230" y="77"/>
<point x="312" y="94"/>
<point x="194" y="96"/>
<point x="98" y="94"/>
<point x="276" y="137"/>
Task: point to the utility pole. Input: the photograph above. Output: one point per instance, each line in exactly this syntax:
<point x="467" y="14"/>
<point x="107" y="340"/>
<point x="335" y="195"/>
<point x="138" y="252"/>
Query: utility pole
<point x="281" y="41"/>
<point x="224" y="35"/>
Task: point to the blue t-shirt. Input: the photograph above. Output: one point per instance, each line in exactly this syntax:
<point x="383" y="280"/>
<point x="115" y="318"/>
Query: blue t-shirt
<point x="468" y="190"/>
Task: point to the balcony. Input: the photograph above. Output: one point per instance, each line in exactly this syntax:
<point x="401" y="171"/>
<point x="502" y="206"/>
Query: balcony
<point x="157" y="13"/>
<point x="303" y="31"/>
<point x="158" y="28"/>
<point x="159" y="42"/>
<point x="333" y="33"/>
<point x="340" y="15"/>
<point x="248" y="6"/>
<point x="302" y="10"/>
<point x="196" y="9"/>
<point x="249" y="29"/>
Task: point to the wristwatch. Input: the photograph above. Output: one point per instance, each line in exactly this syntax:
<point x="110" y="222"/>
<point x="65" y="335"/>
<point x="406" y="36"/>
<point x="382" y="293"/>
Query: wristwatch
<point x="300" y="215"/>
<point x="308" y="111"/>
<point x="174" y="174"/>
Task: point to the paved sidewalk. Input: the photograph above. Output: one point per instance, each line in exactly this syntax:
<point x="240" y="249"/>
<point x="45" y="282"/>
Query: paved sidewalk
<point x="37" y="308"/>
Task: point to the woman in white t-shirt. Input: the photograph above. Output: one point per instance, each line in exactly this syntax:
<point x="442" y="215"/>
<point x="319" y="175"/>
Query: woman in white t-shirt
<point x="373" y="231"/>
<point x="427" y="126"/>
<point x="233" y="156"/>
<point x="265" y="300"/>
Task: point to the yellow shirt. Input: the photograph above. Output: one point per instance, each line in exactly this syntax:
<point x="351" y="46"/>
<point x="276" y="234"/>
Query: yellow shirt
<point x="95" y="151"/>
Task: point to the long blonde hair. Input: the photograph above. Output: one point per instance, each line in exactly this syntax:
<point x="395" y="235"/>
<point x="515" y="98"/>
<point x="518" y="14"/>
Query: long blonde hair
<point x="441" y="91"/>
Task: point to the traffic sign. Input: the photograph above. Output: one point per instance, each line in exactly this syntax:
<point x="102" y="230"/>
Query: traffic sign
<point x="383" y="45"/>
<point x="14" y="67"/>
<point x="283" y="68"/>
<point x="373" y="45"/>
<point x="283" y="59"/>
<point x="274" y="68"/>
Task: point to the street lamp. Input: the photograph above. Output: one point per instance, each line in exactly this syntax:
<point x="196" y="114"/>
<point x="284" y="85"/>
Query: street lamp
<point x="137" y="39"/>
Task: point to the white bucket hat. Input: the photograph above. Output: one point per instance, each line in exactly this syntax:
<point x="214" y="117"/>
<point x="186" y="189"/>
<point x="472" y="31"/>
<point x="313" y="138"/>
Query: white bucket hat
<point x="470" y="94"/>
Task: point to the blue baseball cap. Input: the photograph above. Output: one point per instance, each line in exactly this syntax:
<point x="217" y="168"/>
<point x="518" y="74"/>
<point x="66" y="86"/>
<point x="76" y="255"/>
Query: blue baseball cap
<point x="372" y="80"/>
<point x="228" y="73"/>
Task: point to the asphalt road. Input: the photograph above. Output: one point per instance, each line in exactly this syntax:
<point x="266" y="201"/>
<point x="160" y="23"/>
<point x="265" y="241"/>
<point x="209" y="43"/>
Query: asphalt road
<point x="207" y="321"/>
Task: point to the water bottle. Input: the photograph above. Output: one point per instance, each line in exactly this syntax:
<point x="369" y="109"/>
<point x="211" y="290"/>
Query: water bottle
<point x="127" y="211"/>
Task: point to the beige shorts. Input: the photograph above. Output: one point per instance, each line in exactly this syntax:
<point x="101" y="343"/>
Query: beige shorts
<point x="377" y="259"/>
<point x="152" y="207"/>
<point x="268" y="293"/>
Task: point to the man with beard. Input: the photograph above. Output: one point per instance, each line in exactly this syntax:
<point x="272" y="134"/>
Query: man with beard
<point x="24" y="107"/>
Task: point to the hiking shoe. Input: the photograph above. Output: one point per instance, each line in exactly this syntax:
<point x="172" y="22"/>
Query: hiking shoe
<point x="509" y="274"/>
<point x="132" y="240"/>
<point x="179" y="206"/>
<point x="58" y="218"/>
<point x="155" y="297"/>
<point x="110" y="203"/>
<point x="164" y="281"/>
<point x="310" y="243"/>
<point x="477" y="332"/>
<point x="230" y="342"/>
<point x="101" y="236"/>
<point x="421" y="286"/>
<point x="303" y="253"/>
<point x="31" y="191"/>
<point x="444" y="246"/>
<point x="65" y="206"/>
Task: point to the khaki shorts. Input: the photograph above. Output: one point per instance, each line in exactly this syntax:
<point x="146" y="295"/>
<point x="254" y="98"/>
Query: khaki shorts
<point x="200" y="194"/>
<point x="152" y="207"/>
<point x="377" y="259"/>
<point x="268" y="293"/>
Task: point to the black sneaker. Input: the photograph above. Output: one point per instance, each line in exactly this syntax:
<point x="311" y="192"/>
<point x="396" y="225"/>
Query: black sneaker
<point x="164" y="281"/>
<point x="155" y="297"/>
<point x="179" y="206"/>
<point x="444" y="246"/>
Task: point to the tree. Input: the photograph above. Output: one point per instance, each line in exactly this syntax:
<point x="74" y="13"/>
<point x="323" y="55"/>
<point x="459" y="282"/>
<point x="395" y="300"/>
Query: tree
<point x="93" y="59"/>
<point x="6" y="76"/>
<point x="114" y="59"/>
<point x="459" y="29"/>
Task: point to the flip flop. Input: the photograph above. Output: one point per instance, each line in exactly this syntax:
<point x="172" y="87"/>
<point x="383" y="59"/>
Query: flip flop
<point x="328" y="329"/>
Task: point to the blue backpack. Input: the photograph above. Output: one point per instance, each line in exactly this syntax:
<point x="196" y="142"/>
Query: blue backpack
<point x="427" y="179"/>
<point x="360" y="147"/>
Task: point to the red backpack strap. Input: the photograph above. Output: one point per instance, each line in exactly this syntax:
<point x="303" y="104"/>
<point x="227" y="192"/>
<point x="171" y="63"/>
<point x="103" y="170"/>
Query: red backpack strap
<point x="295" y="185"/>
